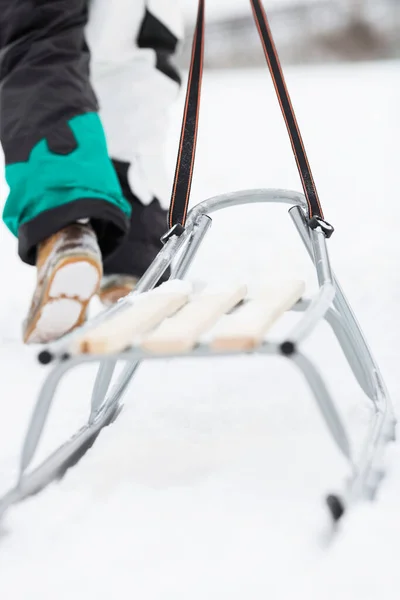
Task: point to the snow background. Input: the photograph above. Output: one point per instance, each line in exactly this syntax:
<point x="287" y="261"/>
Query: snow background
<point x="219" y="9"/>
<point x="214" y="488"/>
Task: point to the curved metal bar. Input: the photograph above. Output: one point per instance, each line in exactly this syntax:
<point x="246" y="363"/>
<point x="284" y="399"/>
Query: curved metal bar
<point x="246" y="197"/>
<point x="123" y="380"/>
<point x="41" y="411"/>
<point x="316" y="310"/>
<point x="340" y="303"/>
<point x="343" y="306"/>
<point x="67" y="455"/>
<point x="70" y="452"/>
<point x="345" y="341"/>
<point x="367" y="473"/>
<point x="324" y="402"/>
<point x="369" y="469"/>
<point x="158" y="267"/>
<point x="320" y="255"/>
<point x="103" y="379"/>
<point x="323" y="300"/>
<point x="189" y="252"/>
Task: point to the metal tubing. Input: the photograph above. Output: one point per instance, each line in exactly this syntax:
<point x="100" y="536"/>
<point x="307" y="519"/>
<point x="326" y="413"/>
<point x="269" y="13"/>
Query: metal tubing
<point x="345" y="341"/>
<point x="160" y="264"/>
<point x="321" y="258"/>
<point x="339" y="302"/>
<point x="120" y="386"/>
<point x="101" y="385"/>
<point x="324" y="402"/>
<point x="189" y="252"/>
<point x="245" y="197"/>
<point x="46" y="398"/>
<point x="345" y="309"/>
<point x="299" y="220"/>
<point x="315" y="312"/>
<point x="41" y="411"/>
<point x="59" y="461"/>
<point x="323" y="300"/>
<point x="367" y="473"/>
<point x="360" y="483"/>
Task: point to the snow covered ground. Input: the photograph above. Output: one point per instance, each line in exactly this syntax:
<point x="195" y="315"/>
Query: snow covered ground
<point x="211" y="484"/>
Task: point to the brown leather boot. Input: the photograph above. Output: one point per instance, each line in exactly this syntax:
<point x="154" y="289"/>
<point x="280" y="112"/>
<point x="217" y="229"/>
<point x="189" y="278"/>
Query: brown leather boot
<point x="115" y="287"/>
<point x="69" y="272"/>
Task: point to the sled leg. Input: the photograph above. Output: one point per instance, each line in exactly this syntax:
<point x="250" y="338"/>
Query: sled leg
<point x="378" y="384"/>
<point x="47" y="395"/>
<point x="103" y="379"/>
<point x="69" y="453"/>
<point x="345" y="341"/>
<point x="41" y="412"/>
<point x="367" y="471"/>
<point x="367" y="364"/>
<point x="324" y="402"/>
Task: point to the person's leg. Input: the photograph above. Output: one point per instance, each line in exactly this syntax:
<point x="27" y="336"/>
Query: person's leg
<point x="133" y="44"/>
<point x="57" y="163"/>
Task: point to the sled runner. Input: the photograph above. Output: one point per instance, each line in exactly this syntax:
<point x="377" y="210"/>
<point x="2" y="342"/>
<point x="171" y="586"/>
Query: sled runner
<point x="176" y="321"/>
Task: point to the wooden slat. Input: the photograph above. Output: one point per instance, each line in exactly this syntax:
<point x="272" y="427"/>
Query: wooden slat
<point x="182" y="331"/>
<point x="246" y="328"/>
<point x="119" y="332"/>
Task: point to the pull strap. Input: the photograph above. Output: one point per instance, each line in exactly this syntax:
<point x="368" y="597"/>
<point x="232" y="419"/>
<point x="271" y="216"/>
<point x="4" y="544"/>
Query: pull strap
<point x="187" y="147"/>
<point x="315" y="213"/>
<point x="188" y="140"/>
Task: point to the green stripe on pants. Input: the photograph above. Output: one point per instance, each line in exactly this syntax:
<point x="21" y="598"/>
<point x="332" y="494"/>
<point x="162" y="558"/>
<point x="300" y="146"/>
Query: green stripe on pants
<point x="48" y="180"/>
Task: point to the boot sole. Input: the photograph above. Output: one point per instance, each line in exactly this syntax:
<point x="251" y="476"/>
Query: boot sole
<point x="67" y="291"/>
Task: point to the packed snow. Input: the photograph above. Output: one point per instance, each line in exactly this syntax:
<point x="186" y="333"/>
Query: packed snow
<point x="211" y="483"/>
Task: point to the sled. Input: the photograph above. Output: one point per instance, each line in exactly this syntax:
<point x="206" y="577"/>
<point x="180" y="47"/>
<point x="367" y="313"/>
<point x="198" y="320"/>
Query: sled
<point x="175" y="321"/>
<point x="169" y="323"/>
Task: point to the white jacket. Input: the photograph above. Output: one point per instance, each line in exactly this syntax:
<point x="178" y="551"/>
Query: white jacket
<point x="135" y="92"/>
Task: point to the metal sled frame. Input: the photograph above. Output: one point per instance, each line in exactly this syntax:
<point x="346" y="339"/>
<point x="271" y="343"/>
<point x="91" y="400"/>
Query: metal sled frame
<point x="366" y="470"/>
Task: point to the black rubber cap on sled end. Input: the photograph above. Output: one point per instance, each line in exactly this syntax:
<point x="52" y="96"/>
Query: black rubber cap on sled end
<point x="288" y="348"/>
<point x="336" y="507"/>
<point x="45" y="357"/>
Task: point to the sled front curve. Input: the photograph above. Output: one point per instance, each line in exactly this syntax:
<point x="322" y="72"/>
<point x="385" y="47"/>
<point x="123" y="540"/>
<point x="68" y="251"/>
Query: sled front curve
<point x="179" y="250"/>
